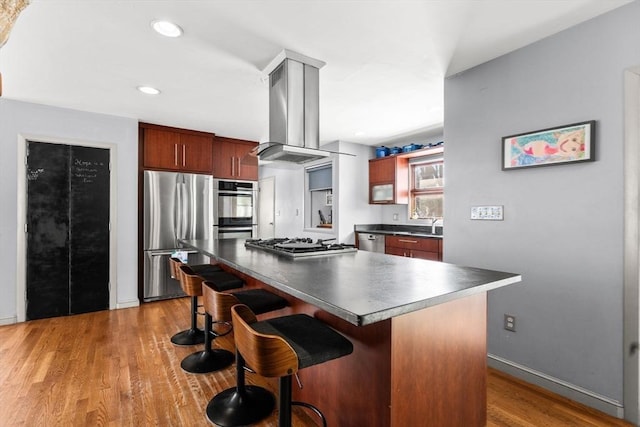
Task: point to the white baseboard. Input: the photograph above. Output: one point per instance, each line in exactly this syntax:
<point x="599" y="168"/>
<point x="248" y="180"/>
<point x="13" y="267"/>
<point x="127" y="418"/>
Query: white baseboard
<point x="128" y="304"/>
<point x="556" y="385"/>
<point x="8" y="320"/>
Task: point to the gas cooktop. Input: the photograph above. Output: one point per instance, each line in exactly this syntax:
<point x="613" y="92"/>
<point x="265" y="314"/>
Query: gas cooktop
<point x="300" y="247"/>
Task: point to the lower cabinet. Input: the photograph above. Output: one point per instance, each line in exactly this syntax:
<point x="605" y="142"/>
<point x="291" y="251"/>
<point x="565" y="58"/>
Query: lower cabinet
<point x="414" y="247"/>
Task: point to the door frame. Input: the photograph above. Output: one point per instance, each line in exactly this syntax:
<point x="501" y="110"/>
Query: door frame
<point x="21" y="207"/>
<point x="631" y="298"/>
<point x="269" y="181"/>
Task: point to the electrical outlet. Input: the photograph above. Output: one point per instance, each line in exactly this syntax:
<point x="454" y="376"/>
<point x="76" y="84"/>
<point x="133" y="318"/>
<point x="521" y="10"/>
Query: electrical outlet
<point x="395" y="216"/>
<point x="510" y="322"/>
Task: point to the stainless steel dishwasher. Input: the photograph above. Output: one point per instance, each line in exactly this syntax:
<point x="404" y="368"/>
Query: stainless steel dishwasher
<point x="371" y="242"/>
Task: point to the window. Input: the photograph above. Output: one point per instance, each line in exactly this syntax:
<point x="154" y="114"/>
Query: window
<point x="319" y="197"/>
<point x="426" y="191"/>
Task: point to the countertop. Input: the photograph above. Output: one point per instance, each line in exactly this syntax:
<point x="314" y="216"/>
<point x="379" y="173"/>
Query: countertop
<point x="400" y="230"/>
<point x="359" y="287"/>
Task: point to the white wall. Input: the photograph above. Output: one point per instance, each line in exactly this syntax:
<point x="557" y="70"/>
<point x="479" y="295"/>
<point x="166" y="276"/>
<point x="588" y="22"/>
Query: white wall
<point x="289" y="197"/>
<point x="353" y="190"/>
<point x="563" y="226"/>
<point x="350" y="194"/>
<point x="24" y="118"/>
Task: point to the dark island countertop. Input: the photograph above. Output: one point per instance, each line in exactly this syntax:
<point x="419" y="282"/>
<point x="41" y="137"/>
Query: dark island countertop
<point x="360" y="287"/>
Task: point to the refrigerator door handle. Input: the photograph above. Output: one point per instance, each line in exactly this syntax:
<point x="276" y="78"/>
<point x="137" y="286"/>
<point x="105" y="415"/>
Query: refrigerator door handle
<point x="161" y="253"/>
<point x="165" y="253"/>
<point x="181" y="215"/>
<point x="176" y="204"/>
<point x="187" y="201"/>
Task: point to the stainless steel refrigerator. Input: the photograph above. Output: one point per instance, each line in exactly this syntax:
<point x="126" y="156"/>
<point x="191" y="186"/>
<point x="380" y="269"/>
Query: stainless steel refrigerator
<point x="176" y="206"/>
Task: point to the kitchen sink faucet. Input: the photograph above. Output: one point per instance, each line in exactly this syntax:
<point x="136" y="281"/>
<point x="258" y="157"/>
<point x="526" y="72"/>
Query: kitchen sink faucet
<point x="433" y="225"/>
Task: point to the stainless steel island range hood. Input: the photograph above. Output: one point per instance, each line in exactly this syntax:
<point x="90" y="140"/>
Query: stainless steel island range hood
<point x="294" y="134"/>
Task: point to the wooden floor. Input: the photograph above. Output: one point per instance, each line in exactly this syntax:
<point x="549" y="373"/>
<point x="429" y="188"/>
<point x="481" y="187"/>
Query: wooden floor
<point x="118" y="368"/>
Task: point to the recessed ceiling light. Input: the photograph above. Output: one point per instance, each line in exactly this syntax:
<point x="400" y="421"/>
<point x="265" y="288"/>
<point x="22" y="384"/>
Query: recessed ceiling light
<point x="166" y="28"/>
<point x="148" y="90"/>
<point x="360" y="133"/>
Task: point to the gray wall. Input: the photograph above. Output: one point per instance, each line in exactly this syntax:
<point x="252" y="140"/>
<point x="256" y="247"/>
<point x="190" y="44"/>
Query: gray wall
<point x="32" y="119"/>
<point x="563" y="226"/>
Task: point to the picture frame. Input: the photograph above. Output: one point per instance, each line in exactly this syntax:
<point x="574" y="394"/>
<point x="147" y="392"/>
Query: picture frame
<point x="558" y="145"/>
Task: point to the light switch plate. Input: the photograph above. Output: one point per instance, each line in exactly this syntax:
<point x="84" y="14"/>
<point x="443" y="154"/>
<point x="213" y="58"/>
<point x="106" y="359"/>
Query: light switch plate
<point x="492" y="213"/>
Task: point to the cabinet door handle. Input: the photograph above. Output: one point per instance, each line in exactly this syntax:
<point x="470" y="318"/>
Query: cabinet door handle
<point x="239" y="170"/>
<point x="233" y="166"/>
<point x="407" y="241"/>
<point x="184" y="150"/>
<point x="175" y="154"/>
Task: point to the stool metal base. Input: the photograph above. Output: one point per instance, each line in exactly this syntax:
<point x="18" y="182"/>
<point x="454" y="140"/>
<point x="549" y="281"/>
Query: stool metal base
<point x="205" y="361"/>
<point x="231" y="408"/>
<point x="188" y="337"/>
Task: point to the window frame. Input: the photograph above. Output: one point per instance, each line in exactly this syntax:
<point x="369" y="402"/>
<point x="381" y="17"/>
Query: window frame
<point x="308" y="221"/>
<point x="414" y="192"/>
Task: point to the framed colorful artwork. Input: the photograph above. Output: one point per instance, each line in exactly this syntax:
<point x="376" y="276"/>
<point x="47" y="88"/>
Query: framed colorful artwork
<point x="553" y="146"/>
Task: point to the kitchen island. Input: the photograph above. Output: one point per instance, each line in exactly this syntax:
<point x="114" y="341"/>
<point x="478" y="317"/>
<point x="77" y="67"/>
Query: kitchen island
<point x="418" y="328"/>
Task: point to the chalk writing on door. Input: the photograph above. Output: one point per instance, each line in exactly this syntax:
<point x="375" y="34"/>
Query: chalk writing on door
<point x="33" y="174"/>
<point x="86" y="171"/>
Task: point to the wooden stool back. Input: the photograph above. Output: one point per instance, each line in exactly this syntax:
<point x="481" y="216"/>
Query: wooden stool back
<point x="217" y="304"/>
<point x="174" y="268"/>
<point x="268" y="355"/>
<point x="191" y="283"/>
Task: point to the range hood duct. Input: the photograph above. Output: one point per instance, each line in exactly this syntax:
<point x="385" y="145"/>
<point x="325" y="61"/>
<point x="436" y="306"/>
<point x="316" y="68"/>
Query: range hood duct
<point x="294" y="134"/>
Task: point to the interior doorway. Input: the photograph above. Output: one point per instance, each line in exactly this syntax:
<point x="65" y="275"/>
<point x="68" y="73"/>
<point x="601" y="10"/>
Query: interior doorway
<point x="67" y="230"/>
<point x="266" y="208"/>
<point x="631" y="325"/>
<point x="66" y="248"/>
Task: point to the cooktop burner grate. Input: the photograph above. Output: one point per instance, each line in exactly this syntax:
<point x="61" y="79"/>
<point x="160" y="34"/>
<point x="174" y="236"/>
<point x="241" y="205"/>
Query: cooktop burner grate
<point x="299" y="247"/>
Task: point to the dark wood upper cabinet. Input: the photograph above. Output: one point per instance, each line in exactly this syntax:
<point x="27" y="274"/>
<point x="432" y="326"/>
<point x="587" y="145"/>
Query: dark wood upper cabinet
<point x="183" y="150"/>
<point x="231" y="159"/>
<point x="389" y="180"/>
<point x="176" y="149"/>
<point x="197" y="154"/>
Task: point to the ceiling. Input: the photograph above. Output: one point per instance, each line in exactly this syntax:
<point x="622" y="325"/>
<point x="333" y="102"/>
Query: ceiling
<point x="386" y="60"/>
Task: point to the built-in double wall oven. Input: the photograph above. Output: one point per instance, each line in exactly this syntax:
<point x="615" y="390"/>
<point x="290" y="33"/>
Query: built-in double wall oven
<point x="234" y="209"/>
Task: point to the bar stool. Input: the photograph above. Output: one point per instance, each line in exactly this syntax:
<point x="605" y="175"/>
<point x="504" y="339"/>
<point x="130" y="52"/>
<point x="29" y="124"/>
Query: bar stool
<point x="191" y="284"/>
<point x="282" y="346"/>
<point x="243" y="404"/>
<point x="208" y="359"/>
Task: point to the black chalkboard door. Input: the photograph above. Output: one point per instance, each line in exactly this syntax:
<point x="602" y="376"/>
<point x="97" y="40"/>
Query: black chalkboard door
<point x="67" y="229"/>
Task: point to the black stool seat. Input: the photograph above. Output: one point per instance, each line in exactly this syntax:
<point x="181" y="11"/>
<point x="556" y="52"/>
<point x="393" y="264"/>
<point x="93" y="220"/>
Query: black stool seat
<point x="313" y="341"/>
<point x="281" y="346"/>
<point x="205" y="268"/>
<point x="260" y="301"/>
<point x="223" y="280"/>
<point x="175" y="263"/>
